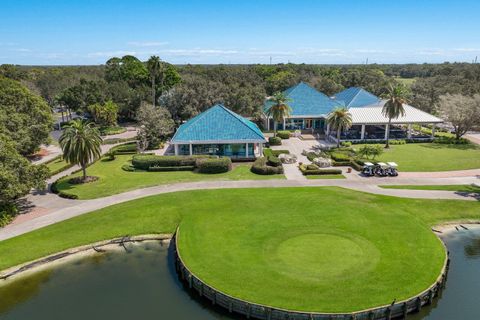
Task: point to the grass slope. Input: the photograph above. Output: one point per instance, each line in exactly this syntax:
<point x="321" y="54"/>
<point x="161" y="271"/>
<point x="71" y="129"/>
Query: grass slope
<point x="338" y="220"/>
<point x="453" y="187"/>
<point x="113" y="179"/>
<point x="428" y="157"/>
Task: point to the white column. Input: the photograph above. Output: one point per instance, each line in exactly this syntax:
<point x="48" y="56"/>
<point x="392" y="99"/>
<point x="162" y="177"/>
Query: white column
<point x="328" y="129"/>
<point x="387" y="128"/>
<point x="433" y="131"/>
<point x="246" y="150"/>
<point x="283" y="123"/>
<point x="409" y="131"/>
<point x="176" y="149"/>
<point x="362" y="133"/>
<point x="191" y="149"/>
<point x="260" y="149"/>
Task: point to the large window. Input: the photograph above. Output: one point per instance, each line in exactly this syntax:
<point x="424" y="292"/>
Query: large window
<point x="237" y="150"/>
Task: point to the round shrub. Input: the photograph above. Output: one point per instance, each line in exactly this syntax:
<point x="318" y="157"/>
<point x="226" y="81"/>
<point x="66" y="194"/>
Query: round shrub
<point x="260" y="167"/>
<point x="283" y="134"/>
<point x="275" y="141"/>
<point x="218" y="165"/>
<point x="273" y="161"/>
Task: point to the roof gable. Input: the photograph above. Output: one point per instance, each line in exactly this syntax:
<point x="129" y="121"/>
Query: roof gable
<point x="216" y="124"/>
<point x="306" y="101"/>
<point x="356" y="97"/>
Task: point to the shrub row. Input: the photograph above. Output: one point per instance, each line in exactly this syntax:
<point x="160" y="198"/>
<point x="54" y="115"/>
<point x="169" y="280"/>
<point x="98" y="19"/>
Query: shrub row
<point x="212" y="165"/>
<point x="283" y="134"/>
<point x="163" y="169"/>
<point x="127" y="148"/>
<point x="274" y="141"/>
<point x="65" y="167"/>
<point x="118" y="140"/>
<point x="339" y="156"/>
<point x="269" y="152"/>
<point x="448" y="140"/>
<point x="260" y="166"/>
<point x="312" y="169"/>
<point x="144" y="162"/>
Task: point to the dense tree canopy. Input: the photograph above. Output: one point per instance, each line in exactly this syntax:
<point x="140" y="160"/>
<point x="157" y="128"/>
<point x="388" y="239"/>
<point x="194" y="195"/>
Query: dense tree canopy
<point x="17" y="175"/>
<point x="24" y="117"/>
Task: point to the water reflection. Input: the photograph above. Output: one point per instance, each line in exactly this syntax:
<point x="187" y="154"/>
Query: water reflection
<point x="142" y="284"/>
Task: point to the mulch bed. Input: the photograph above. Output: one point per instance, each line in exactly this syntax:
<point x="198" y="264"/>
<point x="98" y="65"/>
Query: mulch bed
<point x="80" y="180"/>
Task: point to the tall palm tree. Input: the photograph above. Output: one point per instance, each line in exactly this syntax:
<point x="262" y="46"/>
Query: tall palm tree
<point x="396" y="97"/>
<point x="154" y="66"/>
<point x="339" y="119"/>
<point x="279" y="110"/>
<point x="80" y="142"/>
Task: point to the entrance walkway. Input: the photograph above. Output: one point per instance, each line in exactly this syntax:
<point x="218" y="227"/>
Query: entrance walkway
<point x="296" y="146"/>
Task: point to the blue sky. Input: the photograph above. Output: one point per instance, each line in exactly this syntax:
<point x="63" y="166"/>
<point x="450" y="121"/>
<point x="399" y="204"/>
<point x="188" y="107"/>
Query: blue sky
<point x="323" y="31"/>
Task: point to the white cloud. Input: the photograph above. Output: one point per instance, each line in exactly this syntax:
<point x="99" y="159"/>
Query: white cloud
<point x="147" y="43"/>
<point x="109" y="54"/>
<point x="467" y="49"/>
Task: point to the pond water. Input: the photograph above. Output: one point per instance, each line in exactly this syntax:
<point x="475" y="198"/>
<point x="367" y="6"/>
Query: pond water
<point x="142" y="284"/>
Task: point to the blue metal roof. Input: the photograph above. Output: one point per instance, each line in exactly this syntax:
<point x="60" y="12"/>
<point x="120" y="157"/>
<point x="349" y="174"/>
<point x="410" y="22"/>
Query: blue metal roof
<point x="306" y="101"/>
<point x="356" y="97"/>
<point x="217" y="124"/>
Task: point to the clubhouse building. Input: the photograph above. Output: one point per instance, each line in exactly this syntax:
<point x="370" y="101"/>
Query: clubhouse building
<point x="310" y="108"/>
<point x="219" y="131"/>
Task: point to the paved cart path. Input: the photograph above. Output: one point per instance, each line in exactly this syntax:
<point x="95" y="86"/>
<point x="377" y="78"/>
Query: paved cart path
<point x="55" y="209"/>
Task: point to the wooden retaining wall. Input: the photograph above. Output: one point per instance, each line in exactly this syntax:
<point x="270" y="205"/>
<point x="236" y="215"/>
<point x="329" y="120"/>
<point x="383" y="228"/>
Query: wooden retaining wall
<point x="397" y="310"/>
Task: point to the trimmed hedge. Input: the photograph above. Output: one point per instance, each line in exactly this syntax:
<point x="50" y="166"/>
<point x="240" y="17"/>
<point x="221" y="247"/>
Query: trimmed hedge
<point x="447" y="140"/>
<point x="273" y="161"/>
<point x="127" y="148"/>
<point x="219" y="165"/>
<point x="260" y="167"/>
<point x="144" y="162"/>
<point x="340" y="156"/>
<point x="306" y="171"/>
<point x="163" y="169"/>
<point x="270" y="152"/>
<point x="275" y="141"/>
<point x="65" y="167"/>
<point x="283" y="134"/>
<point x="118" y="140"/>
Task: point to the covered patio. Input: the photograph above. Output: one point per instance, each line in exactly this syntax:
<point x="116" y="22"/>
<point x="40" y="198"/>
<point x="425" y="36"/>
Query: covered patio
<point x="368" y="123"/>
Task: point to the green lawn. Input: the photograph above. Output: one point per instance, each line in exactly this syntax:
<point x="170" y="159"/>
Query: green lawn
<point x="56" y="164"/>
<point x="113" y="179"/>
<point x="382" y="238"/>
<point x="453" y="187"/>
<point x="429" y="157"/>
<point x="325" y="176"/>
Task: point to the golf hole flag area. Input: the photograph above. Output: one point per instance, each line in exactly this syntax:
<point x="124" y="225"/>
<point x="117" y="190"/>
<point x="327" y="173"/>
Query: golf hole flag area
<point x="314" y="254"/>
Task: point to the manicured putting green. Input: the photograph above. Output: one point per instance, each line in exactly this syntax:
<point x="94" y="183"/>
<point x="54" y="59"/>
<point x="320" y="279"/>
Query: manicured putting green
<point x="329" y="257"/>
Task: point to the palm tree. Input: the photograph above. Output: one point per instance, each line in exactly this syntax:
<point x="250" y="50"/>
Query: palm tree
<point x="339" y="119"/>
<point x="80" y="142"/>
<point x="396" y="97"/>
<point x="279" y="110"/>
<point x="154" y="65"/>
